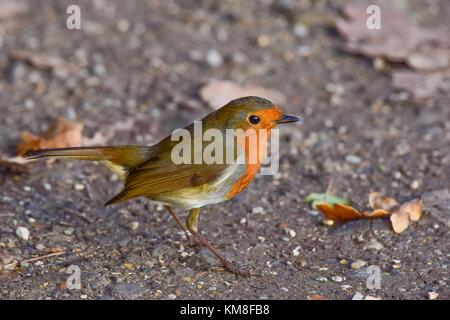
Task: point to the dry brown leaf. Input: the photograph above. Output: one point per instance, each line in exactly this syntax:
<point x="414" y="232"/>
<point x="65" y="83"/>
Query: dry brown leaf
<point x="426" y="51"/>
<point x="317" y="297"/>
<point x="382" y="205"/>
<point x="10" y="9"/>
<point x="380" y="201"/>
<point x="429" y="58"/>
<point x="413" y="208"/>
<point x="63" y="133"/>
<point x="219" y="92"/>
<point x="395" y="41"/>
<point x="344" y="213"/>
<point x="399" y="221"/>
<point x="420" y="85"/>
<point x="44" y="62"/>
<point x="408" y="211"/>
<point x="388" y="42"/>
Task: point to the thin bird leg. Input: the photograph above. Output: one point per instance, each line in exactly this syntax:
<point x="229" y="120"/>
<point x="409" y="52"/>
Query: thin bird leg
<point x="174" y="215"/>
<point x="191" y="223"/>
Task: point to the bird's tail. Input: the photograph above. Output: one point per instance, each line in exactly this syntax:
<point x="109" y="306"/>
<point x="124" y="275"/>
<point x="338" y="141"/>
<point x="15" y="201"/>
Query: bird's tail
<point x="119" y="159"/>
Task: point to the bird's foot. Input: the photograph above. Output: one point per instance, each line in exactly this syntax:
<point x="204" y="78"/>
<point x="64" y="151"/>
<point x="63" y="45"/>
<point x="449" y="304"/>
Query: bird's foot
<point x="238" y="270"/>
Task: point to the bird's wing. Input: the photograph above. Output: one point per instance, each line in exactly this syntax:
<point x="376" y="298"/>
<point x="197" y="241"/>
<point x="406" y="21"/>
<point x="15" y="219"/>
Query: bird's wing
<point x="159" y="174"/>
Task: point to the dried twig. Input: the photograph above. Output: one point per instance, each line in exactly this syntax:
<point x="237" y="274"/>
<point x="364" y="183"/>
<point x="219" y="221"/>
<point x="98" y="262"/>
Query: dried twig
<point x="45" y="256"/>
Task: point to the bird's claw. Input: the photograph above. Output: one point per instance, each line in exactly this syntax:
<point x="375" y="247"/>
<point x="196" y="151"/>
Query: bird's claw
<point x="238" y="270"/>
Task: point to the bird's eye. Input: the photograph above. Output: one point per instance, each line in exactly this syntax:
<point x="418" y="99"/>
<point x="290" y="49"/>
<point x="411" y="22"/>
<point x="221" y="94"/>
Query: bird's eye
<point x="254" y="119"/>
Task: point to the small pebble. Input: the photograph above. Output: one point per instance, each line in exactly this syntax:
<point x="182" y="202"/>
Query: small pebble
<point x="123" y="25"/>
<point x="415" y="185"/>
<point x="337" y="279"/>
<point x="374" y="244"/>
<point x="263" y="41"/>
<point x="79" y="186"/>
<point x="172" y="296"/>
<point x="69" y="231"/>
<point x="433" y="295"/>
<point x="258" y="209"/>
<point x="40" y="247"/>
<point x="358" y="264"/>
<point x="353" y="159"/>
<point x="372" y="298"/>
<point x="300" y="30"/>
<point x="133" y="225"/>
<point x="214" y="58"/>
<point x="322" y="279"/>
<point x="379" y="64"/>
<point x="23" y="233"/>
<point x="358" y="296"/>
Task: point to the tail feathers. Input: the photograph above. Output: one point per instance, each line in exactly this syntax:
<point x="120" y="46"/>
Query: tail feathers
<point x="120" y="159"/>
<point x="121" y="196"/>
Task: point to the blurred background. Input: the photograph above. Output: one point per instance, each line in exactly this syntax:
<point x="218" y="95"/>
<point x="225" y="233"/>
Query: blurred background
<point x="376" y="117"/>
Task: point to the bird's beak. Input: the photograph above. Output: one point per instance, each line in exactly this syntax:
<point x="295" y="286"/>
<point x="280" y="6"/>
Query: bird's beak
<point x="288" y="119"/>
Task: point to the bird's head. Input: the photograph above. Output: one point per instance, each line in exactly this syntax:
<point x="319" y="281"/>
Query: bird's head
<point x="250" y="113"/>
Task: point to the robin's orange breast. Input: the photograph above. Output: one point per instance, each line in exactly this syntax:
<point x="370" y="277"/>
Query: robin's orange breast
<point x="243" y="181"/>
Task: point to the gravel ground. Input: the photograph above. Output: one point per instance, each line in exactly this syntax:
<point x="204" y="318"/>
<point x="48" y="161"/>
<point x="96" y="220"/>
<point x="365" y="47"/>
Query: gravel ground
<point x="142" y="64"/>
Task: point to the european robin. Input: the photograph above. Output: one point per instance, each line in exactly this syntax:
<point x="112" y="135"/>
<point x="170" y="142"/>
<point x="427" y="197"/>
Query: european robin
<point x="151" y="172"/>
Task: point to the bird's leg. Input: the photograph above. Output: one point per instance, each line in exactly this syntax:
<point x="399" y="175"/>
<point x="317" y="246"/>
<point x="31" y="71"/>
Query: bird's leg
<point x="174" y="215"/>
<point x="191" y="241"/>
<point x="191" y="223"/>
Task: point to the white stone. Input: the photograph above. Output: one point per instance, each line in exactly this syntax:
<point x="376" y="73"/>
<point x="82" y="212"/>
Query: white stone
<point x="23" y="233"/>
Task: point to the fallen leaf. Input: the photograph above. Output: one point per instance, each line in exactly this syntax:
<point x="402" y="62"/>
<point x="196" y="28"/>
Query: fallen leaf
<point x="399" y="221"/>
<point x="429" y="58"/>
<point x="44" y="62"/>
<point x="392" y="42"/>
<point x="420" y="85"/>
<point x="317" y="297"/>
<point x="414" y="209"/>
<point x="219" y="92"/>
<point x="380" y="201"/>
<point x="426" y="51"/>
<point x="324" y="198"/>
<point x="344" y="213"/>
<point x="395" y="41"/>
<point x="408" y="211"/>
<point x="63" y="133"/>
<point x="10" y="9"/>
